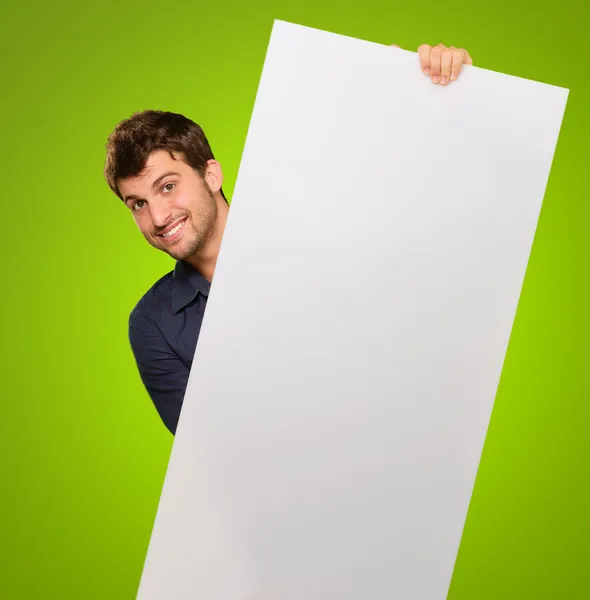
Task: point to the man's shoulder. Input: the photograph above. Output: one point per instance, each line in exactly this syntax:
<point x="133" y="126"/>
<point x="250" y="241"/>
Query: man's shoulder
<point x="155" y="301"/>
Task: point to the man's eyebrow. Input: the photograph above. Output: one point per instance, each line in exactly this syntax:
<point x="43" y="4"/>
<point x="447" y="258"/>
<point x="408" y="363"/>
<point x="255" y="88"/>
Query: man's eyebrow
<point x="155" y="184"/>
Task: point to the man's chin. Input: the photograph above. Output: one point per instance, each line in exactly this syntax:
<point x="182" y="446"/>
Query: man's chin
<point x="181" y="250"/>
<point x="179" y="253"/>
<point x="176" y="254"/>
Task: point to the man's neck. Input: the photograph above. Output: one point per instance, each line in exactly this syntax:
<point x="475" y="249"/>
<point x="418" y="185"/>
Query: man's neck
<point x="204" y="262"/>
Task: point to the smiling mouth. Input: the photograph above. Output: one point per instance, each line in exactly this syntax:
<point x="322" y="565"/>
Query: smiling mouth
<point x="167" y="235"/>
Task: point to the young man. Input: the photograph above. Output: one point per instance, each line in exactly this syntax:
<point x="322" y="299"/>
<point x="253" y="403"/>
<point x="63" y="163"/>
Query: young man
<point x="162" y="167"/>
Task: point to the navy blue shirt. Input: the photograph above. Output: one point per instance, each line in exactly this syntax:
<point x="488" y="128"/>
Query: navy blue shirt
<point x="163" y="331"/>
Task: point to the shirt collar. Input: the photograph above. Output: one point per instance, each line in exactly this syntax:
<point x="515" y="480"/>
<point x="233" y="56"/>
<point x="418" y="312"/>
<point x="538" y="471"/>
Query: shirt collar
<point x="187" y="283"/>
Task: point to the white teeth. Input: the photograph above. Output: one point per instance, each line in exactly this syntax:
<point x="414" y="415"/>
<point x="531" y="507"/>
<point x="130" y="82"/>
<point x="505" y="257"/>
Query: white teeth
<point x="173" y="231"/>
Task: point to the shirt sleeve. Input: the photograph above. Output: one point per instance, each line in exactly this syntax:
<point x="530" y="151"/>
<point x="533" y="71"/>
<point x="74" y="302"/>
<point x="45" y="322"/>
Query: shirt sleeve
<point x="162" y="372"/>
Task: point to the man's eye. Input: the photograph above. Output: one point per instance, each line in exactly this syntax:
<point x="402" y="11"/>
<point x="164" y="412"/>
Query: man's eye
<point x="168" y="187"/>
<point x="137" y="205"/>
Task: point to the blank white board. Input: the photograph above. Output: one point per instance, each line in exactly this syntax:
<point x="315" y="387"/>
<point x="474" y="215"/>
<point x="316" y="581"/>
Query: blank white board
<point x="356" y="329"/>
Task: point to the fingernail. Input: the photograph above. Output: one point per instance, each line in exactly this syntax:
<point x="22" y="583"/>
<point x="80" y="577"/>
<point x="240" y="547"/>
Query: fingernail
<point x="435" y="79"/>
<point x="453" y="77"/>
<point x="426" y="71"/>
<point x="444" y="81"/>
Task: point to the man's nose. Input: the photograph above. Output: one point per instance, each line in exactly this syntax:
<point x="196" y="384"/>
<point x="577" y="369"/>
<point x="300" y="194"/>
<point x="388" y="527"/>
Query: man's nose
<point x="160" y="211"/>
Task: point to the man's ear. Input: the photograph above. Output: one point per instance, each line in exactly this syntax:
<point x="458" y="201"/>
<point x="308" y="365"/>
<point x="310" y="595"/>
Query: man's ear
<point x="213" y="176"/>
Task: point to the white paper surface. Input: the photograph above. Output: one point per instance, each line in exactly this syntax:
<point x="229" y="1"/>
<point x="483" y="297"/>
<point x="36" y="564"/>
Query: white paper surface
<point x="356" y="329"/>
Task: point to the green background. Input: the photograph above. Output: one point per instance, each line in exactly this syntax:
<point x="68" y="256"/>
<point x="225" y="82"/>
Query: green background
<point x="83" y="451"/>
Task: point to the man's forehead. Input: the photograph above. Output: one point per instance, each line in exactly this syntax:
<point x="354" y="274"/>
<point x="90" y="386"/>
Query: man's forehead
<point x="157" y="163"/>
<point x="161" y="159"/>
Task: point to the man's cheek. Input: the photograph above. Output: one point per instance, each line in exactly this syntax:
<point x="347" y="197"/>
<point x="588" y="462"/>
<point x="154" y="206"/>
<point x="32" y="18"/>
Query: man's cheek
<point x="143" y="225"/>
<point x="182" y="202"/>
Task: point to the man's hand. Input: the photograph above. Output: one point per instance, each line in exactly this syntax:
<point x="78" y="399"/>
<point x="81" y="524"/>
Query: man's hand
<point x="442" y="64"/>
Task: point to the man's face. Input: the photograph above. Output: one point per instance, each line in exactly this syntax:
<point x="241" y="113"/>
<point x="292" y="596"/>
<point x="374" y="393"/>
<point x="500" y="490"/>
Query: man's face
<point x="172" y="205"/>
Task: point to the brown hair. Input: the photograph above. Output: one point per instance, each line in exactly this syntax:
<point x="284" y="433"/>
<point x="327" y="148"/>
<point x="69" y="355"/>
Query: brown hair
<point x="135" y="138"/>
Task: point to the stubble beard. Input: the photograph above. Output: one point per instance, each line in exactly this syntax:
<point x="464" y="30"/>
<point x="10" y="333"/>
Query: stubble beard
<point x="200" y="233"/>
